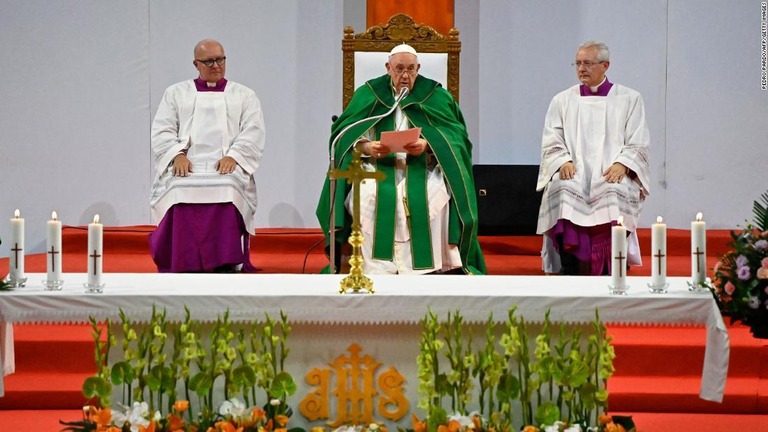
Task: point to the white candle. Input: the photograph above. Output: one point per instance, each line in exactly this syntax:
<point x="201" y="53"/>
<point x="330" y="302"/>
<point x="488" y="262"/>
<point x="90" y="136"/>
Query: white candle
<point x="95" y="251"/>
<point x="53" y="248"/>
<point x="619" y="255"/>
<point x="659" y="252"/>
<point x="698" y="249"/>
<point x="16" y="262"/>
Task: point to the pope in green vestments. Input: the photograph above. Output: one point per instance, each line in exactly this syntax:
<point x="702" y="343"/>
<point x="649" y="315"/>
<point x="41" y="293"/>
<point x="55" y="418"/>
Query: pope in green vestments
<point x="428" y="194"/>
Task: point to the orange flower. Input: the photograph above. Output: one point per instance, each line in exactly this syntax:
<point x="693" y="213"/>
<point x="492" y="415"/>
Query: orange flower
<point x="180" y="406"/>
<point x="613" y="427"/>
<point x="175" y="423"/>
<point x="102" y="417"/>
<point x="454" y="426"/>
<point x="418" y="425"/>
<point x="530" y="428"/>
<point x="224" y="426"/>
<point x="281" y="420"/>
<point x="477" y="422"/>
<point x="258" y="414"/>
<point x="150" y="428"/>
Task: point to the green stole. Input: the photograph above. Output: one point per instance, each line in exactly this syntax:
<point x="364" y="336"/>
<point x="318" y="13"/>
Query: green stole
<point x="414" y="201"/>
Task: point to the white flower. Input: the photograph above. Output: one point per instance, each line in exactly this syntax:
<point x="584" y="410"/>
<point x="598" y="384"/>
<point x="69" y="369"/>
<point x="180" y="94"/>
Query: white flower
<point x="136" y="416"/>
<point x="232" y="407"/>
<point x="357" y="428"/>
<point x="274" y="402"/>
<point x="573" y="428"/>
<point x="753" y="302"/>
<point x="464" y="421"/>
<point x="373" y="427"/>
<point x="553" y="427"/>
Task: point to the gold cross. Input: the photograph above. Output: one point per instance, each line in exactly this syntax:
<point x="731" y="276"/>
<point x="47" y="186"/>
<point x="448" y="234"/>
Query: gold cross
<point x="355" y="174"/>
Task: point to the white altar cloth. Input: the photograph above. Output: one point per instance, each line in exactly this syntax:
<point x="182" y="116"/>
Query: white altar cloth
<point x="315" y="299"/>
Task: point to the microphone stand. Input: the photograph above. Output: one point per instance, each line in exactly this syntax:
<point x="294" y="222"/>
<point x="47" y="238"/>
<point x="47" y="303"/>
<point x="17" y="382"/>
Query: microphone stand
<point x="332" y="180"/>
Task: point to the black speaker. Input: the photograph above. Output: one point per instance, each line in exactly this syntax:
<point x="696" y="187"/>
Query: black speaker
<point x="507" y="201"/>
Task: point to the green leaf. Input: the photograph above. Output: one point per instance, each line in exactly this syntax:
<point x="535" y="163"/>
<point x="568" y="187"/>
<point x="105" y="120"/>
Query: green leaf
<point x="200" y="383"/>
<point x="508" y="388"/>
<point x="547" y="413"/>
<point x="96" y="387"/>
<point x="122" y="373"/>
<point x="244" y="376"/>
<point x="760" y="210"/>
<point x="155" y="378"/>
<point x="282" y="385"/>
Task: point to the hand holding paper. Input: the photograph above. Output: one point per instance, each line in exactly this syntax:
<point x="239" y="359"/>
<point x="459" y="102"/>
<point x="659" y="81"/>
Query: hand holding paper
<point x="396" y="141"/>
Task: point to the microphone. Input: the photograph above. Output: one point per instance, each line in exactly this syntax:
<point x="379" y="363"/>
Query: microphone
<point x="403" y="93"/>
<point x="331" y="227"/>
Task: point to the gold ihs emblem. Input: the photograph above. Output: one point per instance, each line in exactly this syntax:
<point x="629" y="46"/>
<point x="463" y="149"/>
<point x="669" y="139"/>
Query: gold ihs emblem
<point x="357" y="391"/>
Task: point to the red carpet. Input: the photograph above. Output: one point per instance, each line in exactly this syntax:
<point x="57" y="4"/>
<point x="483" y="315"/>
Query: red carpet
<point x="657" y="369"/>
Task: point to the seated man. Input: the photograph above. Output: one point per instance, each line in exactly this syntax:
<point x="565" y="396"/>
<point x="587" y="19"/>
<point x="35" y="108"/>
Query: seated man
<point x="207" y="141"/>
<point x="422" y="218"/>
<point x="594" y="168"/>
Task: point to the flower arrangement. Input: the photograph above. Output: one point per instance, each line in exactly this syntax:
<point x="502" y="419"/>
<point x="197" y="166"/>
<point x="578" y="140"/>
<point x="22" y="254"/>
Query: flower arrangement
<point x="556" y="382"/>
<point x="168" y="368"/>
<point x="741" y="275"/>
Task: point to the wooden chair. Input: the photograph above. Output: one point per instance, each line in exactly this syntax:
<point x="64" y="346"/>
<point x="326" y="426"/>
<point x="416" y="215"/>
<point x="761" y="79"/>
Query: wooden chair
<point x="364" y="54"/>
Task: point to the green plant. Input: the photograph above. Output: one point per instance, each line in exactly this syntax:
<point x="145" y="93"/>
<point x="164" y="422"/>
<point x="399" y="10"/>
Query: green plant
<point x="557" y="376"/>
<point x="162" y="359"/>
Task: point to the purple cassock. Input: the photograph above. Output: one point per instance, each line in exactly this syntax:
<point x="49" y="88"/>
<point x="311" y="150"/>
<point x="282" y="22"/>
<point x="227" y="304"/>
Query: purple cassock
<point x="587" y="244"/>
<point x="201" y="237"/>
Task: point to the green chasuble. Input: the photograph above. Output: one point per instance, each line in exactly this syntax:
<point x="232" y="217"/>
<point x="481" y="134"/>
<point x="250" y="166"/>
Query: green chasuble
<point x="432" y="108"/>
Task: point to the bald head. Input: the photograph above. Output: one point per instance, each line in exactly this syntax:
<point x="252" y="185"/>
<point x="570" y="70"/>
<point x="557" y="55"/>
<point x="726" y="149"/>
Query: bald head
<point x="209" y="60"/>
<point x="206" y="44"/>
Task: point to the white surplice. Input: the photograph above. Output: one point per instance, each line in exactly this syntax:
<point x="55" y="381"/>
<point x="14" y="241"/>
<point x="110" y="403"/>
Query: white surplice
<point x="445" y="255"/>
<point x="593" y="132"/>
<point x="209" y="126"/>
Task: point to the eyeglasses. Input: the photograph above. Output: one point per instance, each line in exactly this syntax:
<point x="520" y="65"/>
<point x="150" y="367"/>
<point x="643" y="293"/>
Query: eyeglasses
<point x="586" y="64"/>
<point x="401" y="70"/>
<point x="219" y="61"/>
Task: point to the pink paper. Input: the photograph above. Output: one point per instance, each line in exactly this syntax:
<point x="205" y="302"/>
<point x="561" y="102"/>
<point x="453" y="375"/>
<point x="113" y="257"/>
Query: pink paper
<point x="396" y="140"/>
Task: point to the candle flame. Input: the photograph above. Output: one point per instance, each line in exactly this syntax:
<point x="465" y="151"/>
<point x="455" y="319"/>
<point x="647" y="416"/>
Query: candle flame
<point x="659" y="219"/>
<point x="54" y="216"/>
<point x="96" y="219"/>
<point x="620" y="220"/>
<point x="16" y="214"/>
<point x="699" y="217"/>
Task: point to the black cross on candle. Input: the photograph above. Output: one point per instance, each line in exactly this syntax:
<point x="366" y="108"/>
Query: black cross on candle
<point x="95" y="255"/>
<point x="659" y="255"/>
<point x="621" y="259"/>
<point x="16" y="249"/>
<point x="698" y="254"/>
<point x="53" y="253"/>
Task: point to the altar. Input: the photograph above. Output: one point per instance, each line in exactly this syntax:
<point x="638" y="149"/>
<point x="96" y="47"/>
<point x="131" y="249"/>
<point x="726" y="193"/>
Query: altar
<point x="384" y="325"/>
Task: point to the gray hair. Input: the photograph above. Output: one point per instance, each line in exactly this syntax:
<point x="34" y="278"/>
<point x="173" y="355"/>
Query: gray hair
<point x="603" y="54"/>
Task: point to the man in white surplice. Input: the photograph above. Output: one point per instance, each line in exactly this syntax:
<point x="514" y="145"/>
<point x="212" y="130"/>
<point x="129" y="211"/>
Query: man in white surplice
<point x="594" y="168"/>
<point x="207" y="142"/>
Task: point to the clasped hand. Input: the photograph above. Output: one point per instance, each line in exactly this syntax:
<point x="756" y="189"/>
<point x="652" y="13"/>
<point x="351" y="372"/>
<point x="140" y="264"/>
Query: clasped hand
<point x="378" y="150"/>
<point x="182" y="166"/>
<point x="614" y="174"/>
